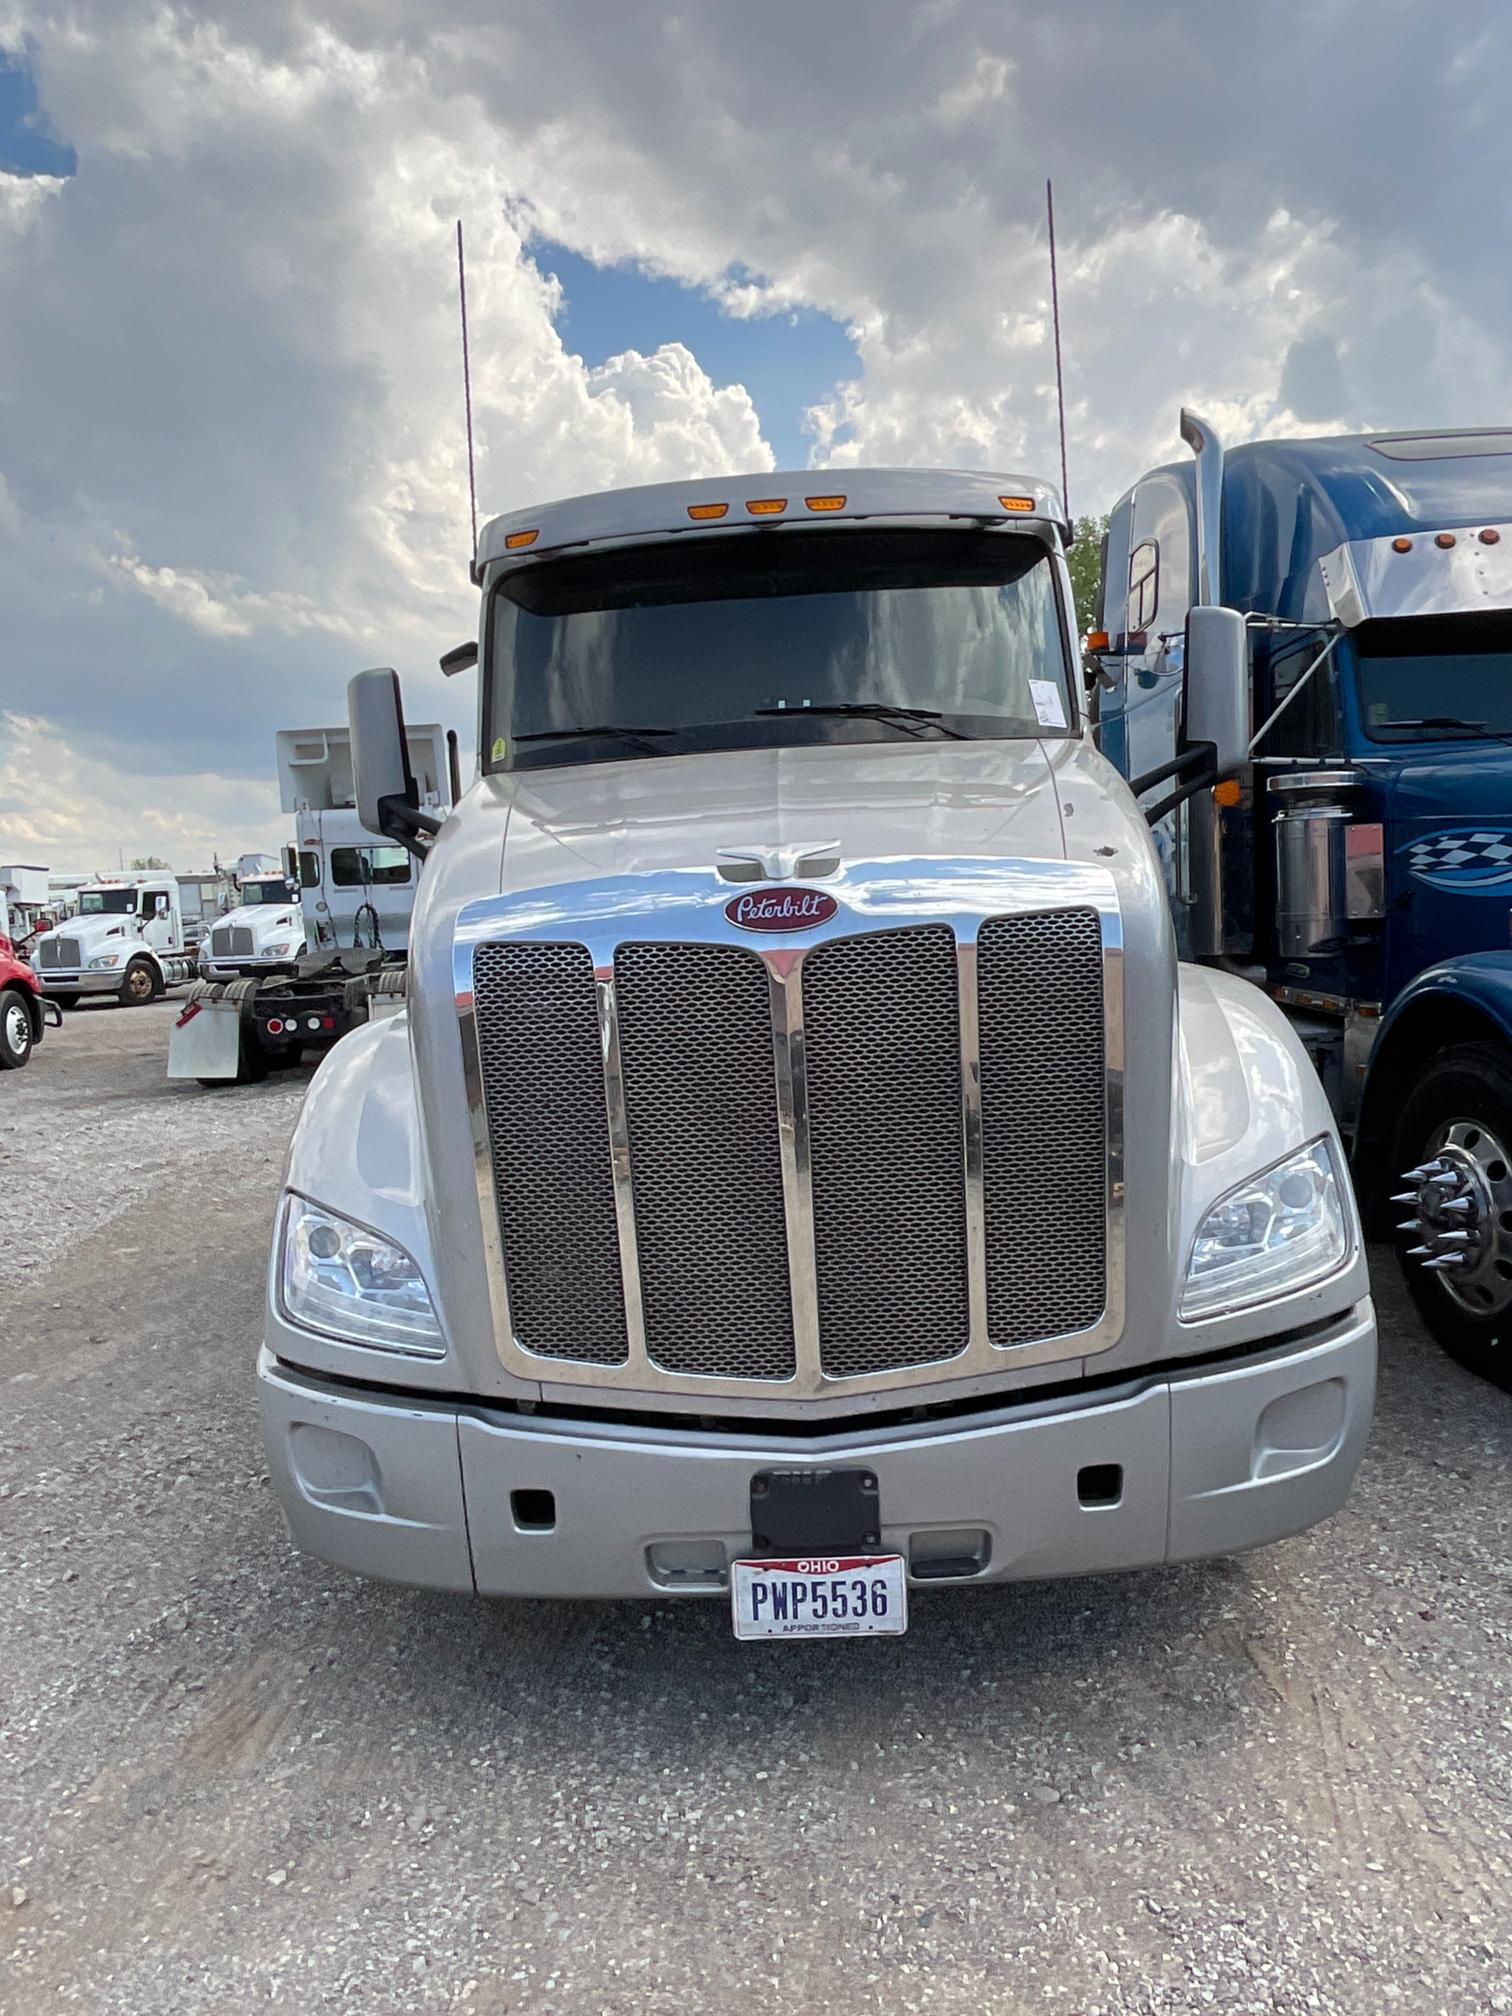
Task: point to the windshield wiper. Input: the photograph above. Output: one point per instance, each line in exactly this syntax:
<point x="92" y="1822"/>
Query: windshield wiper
<point x="609" y="731"/>
<point x="877" y="710"/>
<point x="1439" y="721"/>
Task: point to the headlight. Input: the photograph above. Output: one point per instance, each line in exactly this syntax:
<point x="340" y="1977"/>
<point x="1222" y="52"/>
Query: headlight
<point x="354" y="1284"/>
<point x="278" y="951"/>
<point x="1283" y="1229"/>
<point x="105" y="959"/>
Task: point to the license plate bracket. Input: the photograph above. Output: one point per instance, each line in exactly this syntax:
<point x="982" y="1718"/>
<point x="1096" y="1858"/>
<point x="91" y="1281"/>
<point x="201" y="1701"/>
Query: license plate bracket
<point x="803" y="1512"/>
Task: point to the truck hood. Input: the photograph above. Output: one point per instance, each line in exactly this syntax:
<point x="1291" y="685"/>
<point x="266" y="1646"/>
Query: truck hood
<point x="936" y="799"/>
<point x="93" y="932"/>
<point x="261" y="919"/>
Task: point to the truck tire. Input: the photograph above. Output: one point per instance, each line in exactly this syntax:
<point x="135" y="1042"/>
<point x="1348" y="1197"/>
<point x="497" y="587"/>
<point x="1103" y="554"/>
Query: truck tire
<point x="1459" y="1113"/>
<point x="140" y="985"/>
<point x="16" y="1035"/>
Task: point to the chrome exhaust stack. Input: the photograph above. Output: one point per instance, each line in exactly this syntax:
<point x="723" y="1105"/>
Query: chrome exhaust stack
<point x="1204" y="834"/>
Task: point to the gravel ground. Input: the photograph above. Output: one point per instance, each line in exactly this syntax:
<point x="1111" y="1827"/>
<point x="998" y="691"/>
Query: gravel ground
<point x="230" y="1778"/>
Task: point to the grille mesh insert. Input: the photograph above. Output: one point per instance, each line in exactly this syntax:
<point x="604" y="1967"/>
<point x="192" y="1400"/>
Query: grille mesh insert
<point x="543" y="1087"/>
<point x="701" y="1108"/>
<point x="59" y="952"/>
<point x="1044" y="1147"/>
<point x="882" y="1030"/>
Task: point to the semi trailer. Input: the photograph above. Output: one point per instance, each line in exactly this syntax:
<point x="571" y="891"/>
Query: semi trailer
<point x="1358" y="866"/>
<point x="800" y="1169"/>
<point x="324" y="950"/>
<point x="126" y="938"/>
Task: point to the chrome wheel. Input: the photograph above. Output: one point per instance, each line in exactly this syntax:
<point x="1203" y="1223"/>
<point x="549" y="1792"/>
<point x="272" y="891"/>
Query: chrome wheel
<point x="1462" y="1216"/>
<point x="17" y="1030"/>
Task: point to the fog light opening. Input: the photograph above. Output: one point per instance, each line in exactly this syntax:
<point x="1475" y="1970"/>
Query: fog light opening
<point x="533" y="1511"/>
<point x="1100" y="1484"/>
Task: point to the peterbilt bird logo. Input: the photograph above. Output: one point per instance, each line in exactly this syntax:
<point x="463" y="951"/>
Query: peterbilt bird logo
<point x="780" y="909"/>
<point x="1463" y="859"/>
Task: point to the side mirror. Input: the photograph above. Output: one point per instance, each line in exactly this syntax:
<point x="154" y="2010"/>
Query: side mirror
<point x="460" y="658"/>
<point x="1217" y="685"/>
<point x="388" y="802"/>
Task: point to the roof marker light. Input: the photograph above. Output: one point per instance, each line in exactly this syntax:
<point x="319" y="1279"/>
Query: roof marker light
<point x="825" y="503"/>
<point x="1490" y="537"/>
<point x="1401" y="545"/>
<point x="1444" y="539"/>
<point x="1017" y="503"/>
<point x="707" y="510"/>
<point x="765" y="507"/>
<point x="516" y="539"/>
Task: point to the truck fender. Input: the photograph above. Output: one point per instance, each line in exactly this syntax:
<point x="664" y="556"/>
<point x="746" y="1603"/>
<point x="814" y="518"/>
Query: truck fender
<point x="1247" y="1096"/>
<point x="357" y="1149"/>
<point x="1463" y="1000"/>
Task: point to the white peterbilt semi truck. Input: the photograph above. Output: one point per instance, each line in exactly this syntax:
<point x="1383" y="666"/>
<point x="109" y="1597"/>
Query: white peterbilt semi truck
<point x="801" y="1169"/>
<point x="126" y="937"/>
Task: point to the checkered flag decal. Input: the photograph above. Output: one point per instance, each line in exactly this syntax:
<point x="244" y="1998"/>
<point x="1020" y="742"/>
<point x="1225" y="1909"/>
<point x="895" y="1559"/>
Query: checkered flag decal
<point x="1459" y="859"/>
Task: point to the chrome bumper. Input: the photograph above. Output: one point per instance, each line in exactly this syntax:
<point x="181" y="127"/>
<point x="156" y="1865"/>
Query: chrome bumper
<point x="1210" y="1460"/>
<point x="106" y="981"/>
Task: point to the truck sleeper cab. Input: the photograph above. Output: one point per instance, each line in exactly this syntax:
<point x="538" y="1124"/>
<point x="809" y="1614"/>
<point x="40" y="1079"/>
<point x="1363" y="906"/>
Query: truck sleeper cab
<point x="1362" y="871"/>
<point x="799" y="1144"/>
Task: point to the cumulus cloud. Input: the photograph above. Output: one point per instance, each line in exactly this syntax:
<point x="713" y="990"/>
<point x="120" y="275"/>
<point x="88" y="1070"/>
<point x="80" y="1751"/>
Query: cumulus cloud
<point x="231" y="446"/>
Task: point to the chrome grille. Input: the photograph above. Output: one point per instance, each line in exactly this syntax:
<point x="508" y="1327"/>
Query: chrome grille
<point x="695" y="1035"/>
<point x="882" y="1032"/>
<point x="1044" y="1128"/>
<point x="543" y="1086"/>
<point x="231" y="941"/>
<point x="784" y="1174"/>
<point x="58" y="952"/>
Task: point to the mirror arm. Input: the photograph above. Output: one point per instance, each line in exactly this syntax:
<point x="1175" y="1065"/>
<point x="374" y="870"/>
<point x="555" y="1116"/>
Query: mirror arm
<point x="408" y="824"/>
<point x="1155" y="813"/>
<point x="1199" y="752"/>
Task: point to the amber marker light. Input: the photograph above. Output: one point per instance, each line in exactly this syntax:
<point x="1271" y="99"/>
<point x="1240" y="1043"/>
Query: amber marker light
<point x="1444" y="539"/>
<point x="1401" y="545"/>
<point x="1017" y="503"/>
<point x="707" y="510"/>
<point x="765" y="507"/>
<point x="1227" y="794"/>
<point x="1097" y="640"/>
<point x="825" y="503"/>
<point x="514" y="540"/>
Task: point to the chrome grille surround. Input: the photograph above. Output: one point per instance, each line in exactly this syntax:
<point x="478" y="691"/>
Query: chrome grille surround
<point x="59" y="954"/>
<point x="685" y="908"/>
<point x="231" y="941"/>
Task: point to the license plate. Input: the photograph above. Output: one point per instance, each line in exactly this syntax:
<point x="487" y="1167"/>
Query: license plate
<point x="825" y="1596"/>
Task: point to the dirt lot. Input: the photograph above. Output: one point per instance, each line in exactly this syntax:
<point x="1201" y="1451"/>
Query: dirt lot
<point x="232" y="1779"/>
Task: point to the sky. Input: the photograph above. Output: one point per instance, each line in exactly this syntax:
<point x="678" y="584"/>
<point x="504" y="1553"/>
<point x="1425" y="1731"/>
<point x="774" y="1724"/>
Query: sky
<point x="702" y="237"/>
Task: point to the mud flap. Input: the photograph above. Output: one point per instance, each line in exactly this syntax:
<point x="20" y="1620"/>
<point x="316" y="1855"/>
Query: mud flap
<point x="205" y="1041"/>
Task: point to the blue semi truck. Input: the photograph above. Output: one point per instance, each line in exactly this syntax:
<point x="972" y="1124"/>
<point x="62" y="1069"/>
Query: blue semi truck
<point x="1359" y="865"/>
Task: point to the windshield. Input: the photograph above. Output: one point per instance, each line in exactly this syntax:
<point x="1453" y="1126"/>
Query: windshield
<point x="264" y="892"/>
<point x="1411" y="692"/>
<point x="773" y="639"/>
<point x="118" y="902"/>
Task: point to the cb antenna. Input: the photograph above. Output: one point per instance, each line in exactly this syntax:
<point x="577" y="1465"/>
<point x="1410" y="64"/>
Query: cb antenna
<point x="472" y="488"/>
<point x="1060" y="382"/>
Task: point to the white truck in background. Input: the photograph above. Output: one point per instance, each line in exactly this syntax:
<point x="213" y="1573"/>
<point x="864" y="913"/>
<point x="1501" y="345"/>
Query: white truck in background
<point x="357" y="892"/>
<point x="264" y="933"/>
<point x="126" y="938"/>
<point x="23" y="901"/>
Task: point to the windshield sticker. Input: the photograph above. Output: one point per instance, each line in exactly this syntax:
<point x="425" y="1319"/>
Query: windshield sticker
<point x="1049" y="710"/>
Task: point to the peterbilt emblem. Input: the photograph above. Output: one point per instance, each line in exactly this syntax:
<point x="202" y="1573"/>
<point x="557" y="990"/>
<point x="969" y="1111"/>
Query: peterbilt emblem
<point x="780" y="909"/>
